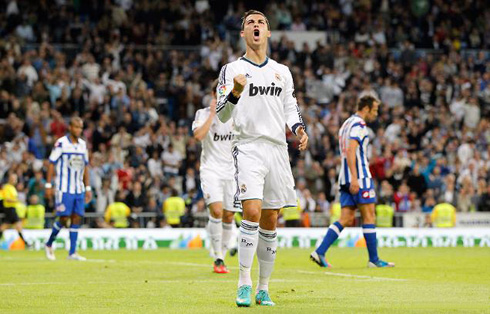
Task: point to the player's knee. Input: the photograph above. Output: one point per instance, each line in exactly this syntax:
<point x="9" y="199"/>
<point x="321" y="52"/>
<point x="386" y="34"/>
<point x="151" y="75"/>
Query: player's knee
<point x="228" y="216"/>
<point x="215" y="210"/>
<point x="347" y="221"/>
<point x="252" y="214"/>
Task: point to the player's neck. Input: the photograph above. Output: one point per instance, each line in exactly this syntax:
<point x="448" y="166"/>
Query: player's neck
<point x="362" y="115"/>
<point x="257" y="56"/>
<point x="73" y="139"/>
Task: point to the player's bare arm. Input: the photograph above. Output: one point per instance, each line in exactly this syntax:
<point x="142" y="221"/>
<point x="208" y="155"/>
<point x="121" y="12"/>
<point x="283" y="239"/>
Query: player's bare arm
<point x="88" y="188"/>
<point x="49" y="178"/>
<point x="351" y="163"/>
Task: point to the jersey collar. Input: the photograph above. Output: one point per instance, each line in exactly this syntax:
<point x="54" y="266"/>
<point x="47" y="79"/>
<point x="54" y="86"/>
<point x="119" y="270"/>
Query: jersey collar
<point x="253" y="63"/>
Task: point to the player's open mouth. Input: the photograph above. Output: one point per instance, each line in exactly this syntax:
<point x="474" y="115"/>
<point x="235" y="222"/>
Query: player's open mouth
<point x="256" y="34"/>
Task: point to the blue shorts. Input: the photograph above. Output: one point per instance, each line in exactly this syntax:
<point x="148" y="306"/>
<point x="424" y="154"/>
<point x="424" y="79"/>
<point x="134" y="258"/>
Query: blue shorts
<point x="364" y="196"/>
<point x="68" y="204"/>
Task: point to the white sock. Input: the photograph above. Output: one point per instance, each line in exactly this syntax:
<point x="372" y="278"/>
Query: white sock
<point x="226" y="238"/>
<point x="247" y="245"/>
<point x="266" y="255"/>
<point x="215" y="230"/>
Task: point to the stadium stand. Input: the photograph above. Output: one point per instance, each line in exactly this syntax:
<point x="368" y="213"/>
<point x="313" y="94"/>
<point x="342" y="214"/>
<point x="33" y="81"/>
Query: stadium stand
<point x="136" y="72"/>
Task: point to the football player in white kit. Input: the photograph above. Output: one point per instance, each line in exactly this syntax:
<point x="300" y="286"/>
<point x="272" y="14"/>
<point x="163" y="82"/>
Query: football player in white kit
<point x="258" y="93"/>
<point x="217" y="179"/>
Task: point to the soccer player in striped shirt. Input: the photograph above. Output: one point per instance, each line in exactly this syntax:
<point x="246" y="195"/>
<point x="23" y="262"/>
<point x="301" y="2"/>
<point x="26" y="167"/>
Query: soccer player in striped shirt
<point x="356" y="183"/>
<point x="70" y="158"/>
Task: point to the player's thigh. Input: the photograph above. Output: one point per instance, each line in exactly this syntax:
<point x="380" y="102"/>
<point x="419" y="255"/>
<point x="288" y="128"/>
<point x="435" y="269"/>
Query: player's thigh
<point x="79" y="205"/>
<point x="212" y="188"/>
<point x="279" y="182"/>
<point x="64" y="204"/>
<point x="250" y="172"/>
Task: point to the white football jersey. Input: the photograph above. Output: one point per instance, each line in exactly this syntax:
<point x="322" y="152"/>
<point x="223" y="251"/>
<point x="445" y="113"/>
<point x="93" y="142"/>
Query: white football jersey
<point x="70" y="160"/>
<point x="216" y="145"/>
<point x="355" y="128"/>
<point x="266" y="105"/>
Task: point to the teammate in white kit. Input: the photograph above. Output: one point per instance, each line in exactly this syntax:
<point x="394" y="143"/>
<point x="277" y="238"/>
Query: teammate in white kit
<point x="72" y="189"/>
<point x="217" y="181"/>
<point x="356" y="183"/>
<point x="258" y="93"/>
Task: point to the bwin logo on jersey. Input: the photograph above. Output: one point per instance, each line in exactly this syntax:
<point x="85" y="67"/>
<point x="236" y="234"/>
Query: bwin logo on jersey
<point x="272" y="90"/>
<point x="221" y="137"/>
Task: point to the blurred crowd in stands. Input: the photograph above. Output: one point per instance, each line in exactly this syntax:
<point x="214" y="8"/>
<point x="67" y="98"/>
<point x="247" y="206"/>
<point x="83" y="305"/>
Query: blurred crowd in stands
<point x="116" y="64"/>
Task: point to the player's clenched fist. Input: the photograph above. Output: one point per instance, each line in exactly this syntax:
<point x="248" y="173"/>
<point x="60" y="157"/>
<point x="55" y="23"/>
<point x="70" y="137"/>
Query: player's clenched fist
<point x="239" y="83"/>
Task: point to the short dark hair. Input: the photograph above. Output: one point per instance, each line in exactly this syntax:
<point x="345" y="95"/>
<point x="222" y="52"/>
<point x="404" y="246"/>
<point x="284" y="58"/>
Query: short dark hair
<point x="366" y="101"/>
<point x="250" y="12"/>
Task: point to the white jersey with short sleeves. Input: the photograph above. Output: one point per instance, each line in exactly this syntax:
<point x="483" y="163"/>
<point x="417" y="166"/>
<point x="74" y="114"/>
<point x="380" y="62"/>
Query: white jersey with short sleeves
<point x="70" y="160"/>
<point x="216" y="146"/>
<point x="355" y="128"/>
<point x="266" y="105"/>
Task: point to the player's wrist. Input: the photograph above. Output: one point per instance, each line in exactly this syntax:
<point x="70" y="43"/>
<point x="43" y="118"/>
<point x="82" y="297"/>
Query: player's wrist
<point x="236" y="93"/>
<point x="88" y="188"/>
<point x="48" y="185"/>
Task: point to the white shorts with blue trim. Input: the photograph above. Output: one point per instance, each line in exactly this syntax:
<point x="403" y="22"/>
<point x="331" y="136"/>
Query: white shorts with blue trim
<point x="263" y="172"/>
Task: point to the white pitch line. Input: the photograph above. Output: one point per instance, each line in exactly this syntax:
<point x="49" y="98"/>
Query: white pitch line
<point x="353" y="276"/>
<point x="180" y="281"/>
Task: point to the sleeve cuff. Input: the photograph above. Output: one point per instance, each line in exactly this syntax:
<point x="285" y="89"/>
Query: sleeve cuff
<point x="295" y="127"/>
<point x="51" y="161"/>
<point x="231" y="98"/>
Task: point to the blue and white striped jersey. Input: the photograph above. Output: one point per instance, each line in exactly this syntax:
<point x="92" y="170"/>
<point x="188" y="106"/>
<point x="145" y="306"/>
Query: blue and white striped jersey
<point x="70" y="160"/>
<point x="355" y="128"/>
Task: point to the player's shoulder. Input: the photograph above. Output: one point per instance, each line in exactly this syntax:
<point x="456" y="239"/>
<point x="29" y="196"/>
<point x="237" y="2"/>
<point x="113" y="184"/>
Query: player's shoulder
<point x="202" y="112"/>
<point x="231" y="66"/>
<point x="279" y="67"/>
<point x="60" y="142"/>
<point x="82" y="141"/>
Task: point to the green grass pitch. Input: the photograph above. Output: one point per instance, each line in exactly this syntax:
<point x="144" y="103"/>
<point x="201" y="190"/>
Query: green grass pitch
<point x="425" y="280"/>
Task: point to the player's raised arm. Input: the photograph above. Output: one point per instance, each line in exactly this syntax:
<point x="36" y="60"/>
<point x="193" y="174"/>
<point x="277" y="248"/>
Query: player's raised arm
<point x="202" y="123"/>
<point x="294" y="120"/>
<point x="228" y="92"/>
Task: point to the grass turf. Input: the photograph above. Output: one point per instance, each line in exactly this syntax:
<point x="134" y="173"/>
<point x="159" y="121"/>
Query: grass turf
<point x="438" y="280"/>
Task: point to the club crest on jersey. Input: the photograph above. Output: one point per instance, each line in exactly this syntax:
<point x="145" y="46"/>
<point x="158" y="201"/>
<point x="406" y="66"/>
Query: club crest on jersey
<point x="243" y="188"/>
<point x="222" y="90"/>
<point x="76" y="162"/>
<point x="272" y="90"/>
<point x="277" y="76"/>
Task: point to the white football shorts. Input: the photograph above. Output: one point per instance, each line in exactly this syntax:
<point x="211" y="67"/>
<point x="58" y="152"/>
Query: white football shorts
<point x="215" y="189"/>
<point x="263" y="172"/>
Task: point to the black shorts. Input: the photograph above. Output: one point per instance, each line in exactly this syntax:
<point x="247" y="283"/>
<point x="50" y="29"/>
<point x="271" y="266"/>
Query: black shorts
<point x="10" y="215"/>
